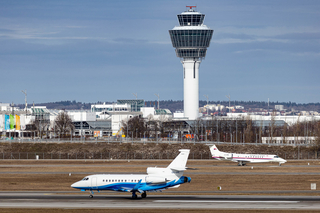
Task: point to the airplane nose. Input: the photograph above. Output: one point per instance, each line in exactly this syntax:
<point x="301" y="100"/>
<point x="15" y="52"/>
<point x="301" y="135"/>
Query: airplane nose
<point x="74" y="185"/>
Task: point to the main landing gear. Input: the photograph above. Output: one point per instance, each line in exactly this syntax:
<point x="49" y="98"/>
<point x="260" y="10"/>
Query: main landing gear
<point x="241" y="163"/>
<point x="143" y="195"/>
<point x="134" y="196"/>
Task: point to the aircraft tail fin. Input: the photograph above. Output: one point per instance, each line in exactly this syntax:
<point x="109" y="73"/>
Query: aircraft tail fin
<point x="179" y="163"/>
<point x="214" y="150"/>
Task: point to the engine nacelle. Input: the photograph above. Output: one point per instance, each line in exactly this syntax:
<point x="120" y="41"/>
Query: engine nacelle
<point x="228" y="156"/>
<point x="157" y="171"/>
<point x="155" y="179"/>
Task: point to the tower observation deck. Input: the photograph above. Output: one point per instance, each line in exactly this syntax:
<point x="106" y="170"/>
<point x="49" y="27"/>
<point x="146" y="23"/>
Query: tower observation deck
<point x="191" y="40"/>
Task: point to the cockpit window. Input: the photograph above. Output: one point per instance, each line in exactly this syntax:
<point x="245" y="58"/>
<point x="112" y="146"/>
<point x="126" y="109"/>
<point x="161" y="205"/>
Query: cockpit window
<point x="276" y="156"/>
<point x="85" y="178"/>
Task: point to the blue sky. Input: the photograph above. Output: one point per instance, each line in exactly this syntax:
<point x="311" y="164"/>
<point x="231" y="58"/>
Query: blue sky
<point x="93" y="50"/>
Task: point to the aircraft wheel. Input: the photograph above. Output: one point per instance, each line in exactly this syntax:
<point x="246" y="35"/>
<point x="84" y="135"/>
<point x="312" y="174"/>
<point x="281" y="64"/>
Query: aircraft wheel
<point x="144" y="195"/>
<point x="90" y="196"/>
<point x="134" y="196"/>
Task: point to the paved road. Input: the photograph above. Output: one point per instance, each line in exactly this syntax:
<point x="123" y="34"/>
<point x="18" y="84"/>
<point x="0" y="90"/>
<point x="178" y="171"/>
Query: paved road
<point x="77" y="200"/>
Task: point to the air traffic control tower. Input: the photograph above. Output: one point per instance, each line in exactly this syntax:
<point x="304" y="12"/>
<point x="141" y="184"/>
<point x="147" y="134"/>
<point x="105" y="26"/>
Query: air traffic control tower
<point x="191" y="40"/>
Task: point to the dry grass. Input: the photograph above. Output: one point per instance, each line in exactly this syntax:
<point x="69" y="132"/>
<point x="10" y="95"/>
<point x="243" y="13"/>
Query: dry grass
<point x="209" y="174"/>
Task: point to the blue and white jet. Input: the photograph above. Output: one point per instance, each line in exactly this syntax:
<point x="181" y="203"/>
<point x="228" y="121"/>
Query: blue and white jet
<point x="242" y="159"/>
<point x="157" y="179"/>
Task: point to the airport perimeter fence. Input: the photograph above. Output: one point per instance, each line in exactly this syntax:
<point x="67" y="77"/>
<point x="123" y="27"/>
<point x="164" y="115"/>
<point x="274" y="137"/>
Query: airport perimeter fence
<point x="133" y="155"/>
<point x="143" y="141"/>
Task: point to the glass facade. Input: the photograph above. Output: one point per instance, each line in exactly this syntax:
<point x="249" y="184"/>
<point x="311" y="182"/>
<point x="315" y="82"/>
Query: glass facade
<point x="190" y="38"/>
<point x="135" y="104"/>
<point x="190" y="19"/>
<point x="186" y="53"/>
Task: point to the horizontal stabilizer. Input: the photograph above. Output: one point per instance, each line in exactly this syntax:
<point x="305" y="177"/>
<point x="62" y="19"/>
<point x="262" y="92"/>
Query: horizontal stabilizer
<point x="179" y="169"/>
<point x="187" y="168"/>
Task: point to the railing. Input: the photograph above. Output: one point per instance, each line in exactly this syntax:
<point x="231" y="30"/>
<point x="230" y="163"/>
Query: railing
<point x="140" y="140"/>
<point x="298" y="155"/>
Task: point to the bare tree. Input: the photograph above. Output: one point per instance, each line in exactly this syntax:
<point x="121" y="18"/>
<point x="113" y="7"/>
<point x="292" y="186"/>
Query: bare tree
<point x="40" y="126"/>
<point x="134" y="127"/>
<point x="63" y="123"/>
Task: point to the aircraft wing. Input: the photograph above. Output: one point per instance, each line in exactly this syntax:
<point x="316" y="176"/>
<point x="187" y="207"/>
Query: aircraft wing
<point x="137" y="186"/>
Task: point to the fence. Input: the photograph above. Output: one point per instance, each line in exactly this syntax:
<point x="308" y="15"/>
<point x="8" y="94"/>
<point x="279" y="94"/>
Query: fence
<point x="98" y="156"/>
<point x="132" y="155"/>
<point x="141" y="141"/>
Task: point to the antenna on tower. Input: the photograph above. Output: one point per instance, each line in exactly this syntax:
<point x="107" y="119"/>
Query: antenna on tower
<point x="191" y="7"/>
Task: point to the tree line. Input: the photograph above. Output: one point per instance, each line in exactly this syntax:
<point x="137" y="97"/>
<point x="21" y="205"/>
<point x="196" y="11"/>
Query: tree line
<point x="243" y="130"/>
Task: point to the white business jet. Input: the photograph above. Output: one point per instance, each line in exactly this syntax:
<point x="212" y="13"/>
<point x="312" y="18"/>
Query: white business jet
<point x="157" y="179"/>
<point x="242" y="159"/>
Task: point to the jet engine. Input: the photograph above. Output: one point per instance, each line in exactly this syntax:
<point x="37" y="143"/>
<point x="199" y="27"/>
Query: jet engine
<point x="157" y="171"/>
<point x="155" y="179"/>
<point x="228" y="156"/>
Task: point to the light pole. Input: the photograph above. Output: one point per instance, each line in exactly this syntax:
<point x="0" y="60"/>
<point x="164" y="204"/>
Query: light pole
<point x="80" y="124"/>
<point x="25" y="99"/>
<point x="228" y="96"/>
<point x="136" y="95"/>
<point x="207" y="102"/>
<point x="158" y="99"/>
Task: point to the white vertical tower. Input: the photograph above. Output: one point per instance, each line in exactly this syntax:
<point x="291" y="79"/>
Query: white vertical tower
<point x="191" y="40"/>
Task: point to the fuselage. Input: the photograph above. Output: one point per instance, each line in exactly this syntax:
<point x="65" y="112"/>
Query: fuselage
<point x="126" y="183"/>
<point x="253" y="158"/>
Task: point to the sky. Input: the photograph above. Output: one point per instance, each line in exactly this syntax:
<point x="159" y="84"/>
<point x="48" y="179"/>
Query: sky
<point x="98" y="50"/>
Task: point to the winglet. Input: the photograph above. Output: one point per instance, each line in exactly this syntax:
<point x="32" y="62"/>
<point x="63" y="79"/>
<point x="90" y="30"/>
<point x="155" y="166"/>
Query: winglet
<point x="179" y="163"/>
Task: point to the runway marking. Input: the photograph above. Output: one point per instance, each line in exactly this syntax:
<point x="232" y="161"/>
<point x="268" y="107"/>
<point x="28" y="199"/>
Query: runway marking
<point x="223" y="201"/>
<point x="23" y="199"/>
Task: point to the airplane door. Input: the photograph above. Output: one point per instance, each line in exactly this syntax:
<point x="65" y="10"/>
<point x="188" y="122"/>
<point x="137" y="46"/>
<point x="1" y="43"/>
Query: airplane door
<point x="94" y="183"/>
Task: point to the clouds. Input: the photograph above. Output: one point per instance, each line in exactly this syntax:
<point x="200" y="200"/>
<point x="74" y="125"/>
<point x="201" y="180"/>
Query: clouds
<point x="86" y="50"/>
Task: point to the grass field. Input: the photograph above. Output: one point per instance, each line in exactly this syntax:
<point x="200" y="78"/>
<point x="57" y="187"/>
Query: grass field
<point x="292" y="178"/>
<point x="207" y="175"/>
